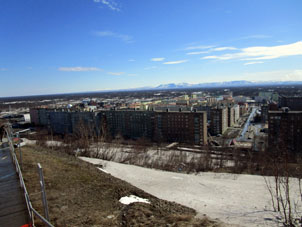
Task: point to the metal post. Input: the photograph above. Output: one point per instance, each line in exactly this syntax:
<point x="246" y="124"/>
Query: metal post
<point x="20" y="152"/>
<point x="42" y="184"/>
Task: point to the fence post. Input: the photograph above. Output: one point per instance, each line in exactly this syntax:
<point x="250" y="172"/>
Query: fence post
<point x="20" y="152"/>
<point x="43" y="192"/>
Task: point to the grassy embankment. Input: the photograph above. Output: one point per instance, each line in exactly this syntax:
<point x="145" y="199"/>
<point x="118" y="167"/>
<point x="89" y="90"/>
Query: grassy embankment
<point x="81" y="195"/>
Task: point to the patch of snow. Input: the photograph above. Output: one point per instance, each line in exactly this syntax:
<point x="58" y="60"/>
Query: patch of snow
<point x="102" y="170"/>
<point x="26" y="141"/>
<point x="233" y="198"/>
<point x="132" y="199"/>
<point x="94" y="161"/>
<point x="188" y="149"/>
<point x="119" y="153"/>
<point x="53" y="143"/>
<point x="172" y="145"/>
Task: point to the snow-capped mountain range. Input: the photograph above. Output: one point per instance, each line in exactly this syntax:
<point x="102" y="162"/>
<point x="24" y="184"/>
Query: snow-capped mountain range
<point x="237" y="83"/>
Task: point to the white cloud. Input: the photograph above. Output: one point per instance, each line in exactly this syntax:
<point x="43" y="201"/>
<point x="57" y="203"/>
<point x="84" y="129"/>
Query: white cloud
<point x="132" y="74"/>
<point x="224" y="48"/>
<point x="116" y="73"/>
<point x="198" y="52"/>
<point x="123" y="37"/>
<point x="262" y="52"/>
<point x="131" y="60"/>
<point x="157" y="59"/>
<point x="110" y="4"/>
<point x="78" y="69"/>
<point x="295" y="75"/>
<point x="175" y="62"/>
<point x="277" y="75"/>
<point x="253" y="62"/>
<point x="210" y="49"/>
<point x="223" y="57"/>
<point x="198" y="47"/>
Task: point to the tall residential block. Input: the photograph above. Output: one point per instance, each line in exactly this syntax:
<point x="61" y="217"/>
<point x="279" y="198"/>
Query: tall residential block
<point x="285" y="130"/>
<point x="65" y="121"/>
<point x="236" y="113"/>
<point x="159" y="126"/>
<point x="219" y="120"/>
<point x="183" y="127"/>
<point x="264" y="113"/>
<point x="231" y="116"/>
<point x="130" y="124"/>
<point x="292" y="102"/>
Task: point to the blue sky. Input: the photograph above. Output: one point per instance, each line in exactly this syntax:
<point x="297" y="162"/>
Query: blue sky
<point x="61" y="46"/>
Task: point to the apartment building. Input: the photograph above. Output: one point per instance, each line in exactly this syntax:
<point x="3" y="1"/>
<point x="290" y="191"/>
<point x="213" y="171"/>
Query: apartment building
<point x="183" y="127"/>
<point x="65" y="121"/>
<point x="231" y="116"/>
<point x="292" y="102"/>
<point x="130" y="124"/>
<point x="285" y="125"/>
<point x="285" y="130"/>
<point x="236" y="113"/>
<point x="264" y="113"/>
<point x="160" y="126"/>
<point x="219" y="120"/>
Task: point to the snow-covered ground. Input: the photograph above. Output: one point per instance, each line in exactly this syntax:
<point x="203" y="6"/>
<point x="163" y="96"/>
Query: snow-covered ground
<point x="232" y="198"/>
<point x="130" y="155"/>
<point x="49" y="143"/>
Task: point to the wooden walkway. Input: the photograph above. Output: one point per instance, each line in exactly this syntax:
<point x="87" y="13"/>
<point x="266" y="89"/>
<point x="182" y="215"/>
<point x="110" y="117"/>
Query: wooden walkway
<point x="13" y="210"/>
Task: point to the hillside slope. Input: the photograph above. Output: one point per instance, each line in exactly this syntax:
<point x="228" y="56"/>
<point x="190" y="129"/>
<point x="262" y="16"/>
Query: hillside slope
<point x="81" y="195"/>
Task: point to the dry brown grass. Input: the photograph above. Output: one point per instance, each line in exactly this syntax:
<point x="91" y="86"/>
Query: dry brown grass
<point x="80" y="195"/>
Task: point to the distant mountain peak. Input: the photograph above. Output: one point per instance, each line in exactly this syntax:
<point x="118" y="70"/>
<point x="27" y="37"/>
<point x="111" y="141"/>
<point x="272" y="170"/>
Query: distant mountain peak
<point x="235" y="83"/>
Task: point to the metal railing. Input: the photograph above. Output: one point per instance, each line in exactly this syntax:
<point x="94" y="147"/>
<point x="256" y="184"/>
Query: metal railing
<point x="30" y="209"/>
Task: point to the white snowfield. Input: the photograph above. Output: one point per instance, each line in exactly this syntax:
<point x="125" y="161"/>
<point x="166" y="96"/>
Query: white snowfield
<point x="233" y="198"/>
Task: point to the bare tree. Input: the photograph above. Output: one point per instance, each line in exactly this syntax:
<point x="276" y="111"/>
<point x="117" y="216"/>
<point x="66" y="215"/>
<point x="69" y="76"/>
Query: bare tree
<point x="280" y="188"/>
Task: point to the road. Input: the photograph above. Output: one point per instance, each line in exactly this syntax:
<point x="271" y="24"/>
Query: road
<point x="242" y="136"/>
